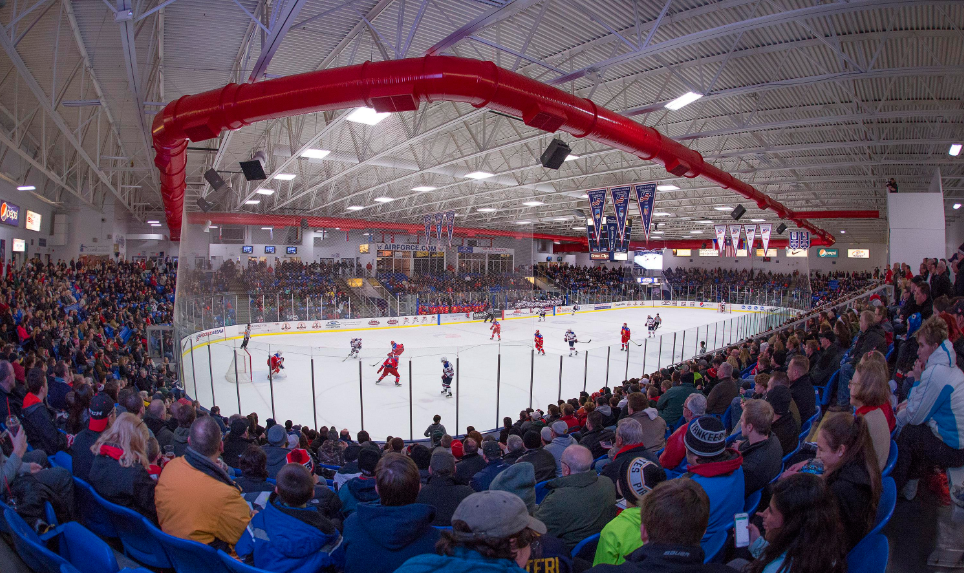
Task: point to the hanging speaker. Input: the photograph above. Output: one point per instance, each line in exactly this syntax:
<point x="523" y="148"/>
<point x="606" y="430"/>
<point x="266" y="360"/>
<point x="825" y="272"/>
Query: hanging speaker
<point x="253" y="170"/>
<point x="214" y="180"/>
<point x="555" y="154"/>
<point x="781" y="229"/>
<point x="204" y="205"/>
<point x="738" y="212"/>
<point x="304" y="223"/>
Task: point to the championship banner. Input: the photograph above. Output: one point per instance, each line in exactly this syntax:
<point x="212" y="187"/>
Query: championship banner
<point x="720" y="237"/>
<point x="620" y="197"/>
<point x="623" y="247"/>
<point x="593" y="243"/>
<point x="612" y="232"/>
<point x="645" y="198"/>
<point x="799" y="240"/>
<point x="450" y="224"/>
<point x="439" y="224"/>
<point x="597" y="204"/>
<point x="765" y="235"/>
<point x="428" y="229"/>
<point x="735" y="231"/>
<point x="750" y="231"/>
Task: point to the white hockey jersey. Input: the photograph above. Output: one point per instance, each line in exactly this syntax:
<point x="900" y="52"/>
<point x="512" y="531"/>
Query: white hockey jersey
<point x="570" y="336"/>
<point x="447" y="370"/>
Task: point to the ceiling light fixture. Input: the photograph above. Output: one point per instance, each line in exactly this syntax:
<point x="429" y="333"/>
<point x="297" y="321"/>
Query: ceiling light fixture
<point x="383" y="199"/>
<point x="706" y="221"/>
<point x="486" y="210"/>
<point x="842" y="232"/>
<point x="660" y="214"/>
<point x="252" y="202"/>
<point x="723" y="208"/>
<point x="26" y="188"/>
<point x="423" y="188"/>
<point x="533" y="203"/>
<point x="683" y="100"/>
<point x="523" y="222"/>
<point x="480" y="175"/>
<point x="285" y="176"/>
<point x="355" y="207"/>
<point x="152" y="221"/>
<point x="666" y="187"/>
<point x="155" y="224"/>
<point x="315" y="153"/>
<point x="266" y="228"/>
<point x="209" y="226"/>
<point x="955" y="149"/>
<point x="578" y="228"/>
<point x="366" y="115"/>
<point x="561" y="219"/>
<point x="957" y="206"/>
<point x="757" y="220"/>
<point x="571" y="157"/>
<point x="265" y="191"/>
<point x="695" y="232"/>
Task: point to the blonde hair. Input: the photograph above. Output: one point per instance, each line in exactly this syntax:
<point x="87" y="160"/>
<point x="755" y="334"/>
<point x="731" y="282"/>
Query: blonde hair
<point x="933" y="331"/>
<point x="130" y="434"/>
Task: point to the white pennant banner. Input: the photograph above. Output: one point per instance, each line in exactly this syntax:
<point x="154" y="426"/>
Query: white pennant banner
<point x="750" y="231"/>
<point x="720" y="237"/>
<point x="765" y="236"/>
<point x="735" y="236"/>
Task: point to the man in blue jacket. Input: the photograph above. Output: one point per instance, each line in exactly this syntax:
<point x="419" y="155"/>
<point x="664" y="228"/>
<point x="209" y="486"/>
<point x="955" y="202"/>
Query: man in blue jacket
<point x="380" y="537"/>
<point x="288" y="535"/>
<point x="361" y="489"/>
<point x="42" y="434"/>
<point x="492" y="453"/>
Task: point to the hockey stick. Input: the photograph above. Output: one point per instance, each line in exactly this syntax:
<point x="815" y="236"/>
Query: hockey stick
<point x="584" y="341"/>
<point x="634" y="342"/>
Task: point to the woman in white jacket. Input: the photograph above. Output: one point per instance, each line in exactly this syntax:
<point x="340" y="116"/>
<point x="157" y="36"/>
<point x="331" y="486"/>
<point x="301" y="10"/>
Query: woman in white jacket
<point x="931" y="420"/>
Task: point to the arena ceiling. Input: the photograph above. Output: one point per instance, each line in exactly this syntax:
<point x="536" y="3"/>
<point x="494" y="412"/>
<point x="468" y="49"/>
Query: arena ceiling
<point x="815" y="102"/>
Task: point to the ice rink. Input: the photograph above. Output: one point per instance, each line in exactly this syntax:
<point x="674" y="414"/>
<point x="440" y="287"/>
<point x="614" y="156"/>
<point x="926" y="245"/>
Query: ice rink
<point x="494" y="379"/>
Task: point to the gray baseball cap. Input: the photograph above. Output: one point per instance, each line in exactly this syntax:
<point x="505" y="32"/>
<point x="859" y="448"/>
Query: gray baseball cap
<point x="496" y="515"/>
<point x="560" y="428"/>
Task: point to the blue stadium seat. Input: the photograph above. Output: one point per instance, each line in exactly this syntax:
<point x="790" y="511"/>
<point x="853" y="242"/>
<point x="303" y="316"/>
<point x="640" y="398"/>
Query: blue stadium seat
<point x="891" y="459"/>
<point x="829" y="389"/>
<point x="135" y="535"/>
<point x="78" y="547"/>
<point x="727" y="418"/>
<point x="808" y="425"/>
<point x="599" y="459"/>
<point x="714" y="547"/>
<point x="63" y="460"/>
<point x="587" y="546"/>
<point x="885" y="508"/>
<point x="541" y="490"/>
<point x="869" y="556"/>
<point x="751" y="503"/>
<point x="734" y="437"/>
<point x="189" y="556"/>
<point x="235" y="566"/>
<point x="91" y="511"/>
<point x="786" y="458"/>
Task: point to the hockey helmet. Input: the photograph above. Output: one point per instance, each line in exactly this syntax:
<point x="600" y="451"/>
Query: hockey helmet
<point x="537" y="331"/>
<point x="393" y="343"/>
<point x="444" y="360"/>
<point x="278" y="354"/>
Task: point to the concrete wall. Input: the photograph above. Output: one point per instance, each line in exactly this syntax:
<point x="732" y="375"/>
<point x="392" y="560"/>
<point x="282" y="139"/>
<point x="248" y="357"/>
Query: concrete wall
<point x="916" y="222"/>
<point x="785" y="264"/>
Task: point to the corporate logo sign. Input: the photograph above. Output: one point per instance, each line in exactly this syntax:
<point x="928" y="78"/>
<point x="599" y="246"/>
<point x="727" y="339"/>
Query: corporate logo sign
<point x="9" y="214"/>
<point x="333" y="324"/>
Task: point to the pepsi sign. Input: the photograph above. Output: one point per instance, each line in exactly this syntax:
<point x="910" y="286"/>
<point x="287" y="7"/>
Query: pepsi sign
<point x="9" y="214"/>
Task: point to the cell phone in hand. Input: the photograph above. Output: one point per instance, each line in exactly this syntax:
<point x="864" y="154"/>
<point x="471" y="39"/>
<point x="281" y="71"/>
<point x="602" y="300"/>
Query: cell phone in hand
<point x="606" y="444"/>
<point x="742" y="531"/>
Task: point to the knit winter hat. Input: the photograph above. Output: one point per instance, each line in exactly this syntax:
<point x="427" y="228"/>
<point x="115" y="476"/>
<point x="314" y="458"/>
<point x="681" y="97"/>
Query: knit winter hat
<point x="239" y="426"/>
<point x="532" y="440"/>
<point x="276" y="435"/>
<point x="301" y="457"/>
<point x="705" y="437"/>
<point x="779" y="398"/>
<point x="367" y="460"/>
<point x="518" y="479"/>
<point x="638" y="478"/>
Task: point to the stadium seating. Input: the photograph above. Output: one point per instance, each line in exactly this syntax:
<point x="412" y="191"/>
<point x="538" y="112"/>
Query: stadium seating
<point x="885" y="508"/>
<point x="542" y="490"/>
<point x="891" y="459"/>
<point x="91" y="510"/>
<point x="189" y="556"/>
<point x="869" y="556"/>
<point x="586" y="548"/>
<point x="235" y="566"/>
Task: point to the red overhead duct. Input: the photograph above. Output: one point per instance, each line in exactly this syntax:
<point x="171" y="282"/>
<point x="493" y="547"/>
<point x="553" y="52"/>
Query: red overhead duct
<point x="401" y="85"/>
<point x="837" y="214"/>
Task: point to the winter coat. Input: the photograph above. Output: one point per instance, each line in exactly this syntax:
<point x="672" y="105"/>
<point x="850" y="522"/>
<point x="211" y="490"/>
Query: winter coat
<point x="162" y="433"/>
<point x="277" y="459"/>
<point x="937" y="399"/>
<point x="444" y="494"/>
<point x="654" y="428"/>
<point x="81" y="456"/>
<point x="874" y="338"/>
<point x="57" y="391"/>
<point x="468" y="466"/>
<point x="723" y="483"/>
<point x="484" y="477"/>
<point x="619" y="538"/>
<point x="291" y="540"/>
<point x="654" y="558"/>
<point x="130" y="487"/>
<point x="179" y="441"/>
<point x="234" y="446"/>
<point x="355" y="492"/>
<point x="826" y="365"/>
<point x="675" y="452"/>
<point x="787" y="432"/>
<point x="577" y="506"/>
<point x="593" y="439"/>
<point x="804" y="397"/>
<point x="378" y="539"/>
<point x="42" y="434"/>
<point x="670" y="404"/>
<point x="627" y="454"/>
<point x="850" y="484"/>
<point x="762" y="462"/>
<point x="719" y="398"/>
<point x="542" y="462"/>
<point x="196" y="500"/>
<point x="462" y="561"/>
<point x="556" y="447"/>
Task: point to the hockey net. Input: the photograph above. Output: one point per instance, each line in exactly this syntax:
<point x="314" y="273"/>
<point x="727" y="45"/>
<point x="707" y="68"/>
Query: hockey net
<point x="240" y="367"/>
<point x="725" y="307"/>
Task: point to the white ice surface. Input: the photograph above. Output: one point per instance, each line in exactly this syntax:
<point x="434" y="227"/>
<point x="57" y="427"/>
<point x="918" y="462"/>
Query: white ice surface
<point x="489" y="372"/>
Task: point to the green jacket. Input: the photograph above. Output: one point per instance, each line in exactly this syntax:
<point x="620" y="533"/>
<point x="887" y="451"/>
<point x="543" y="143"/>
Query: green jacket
<point x="577" y="506"/>
<point x="670" y="404"/>
<point x="619" y="538"/>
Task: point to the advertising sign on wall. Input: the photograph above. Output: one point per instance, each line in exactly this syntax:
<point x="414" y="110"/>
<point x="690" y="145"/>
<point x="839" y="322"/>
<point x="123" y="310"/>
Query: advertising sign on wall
<point x="9" y="214"/>
<point x="858" y="253"/>
<point x="825" y="253"/>
<point x="709" y="253"/>
<point x="796" y="252"/>
<point x="33" y="221"/>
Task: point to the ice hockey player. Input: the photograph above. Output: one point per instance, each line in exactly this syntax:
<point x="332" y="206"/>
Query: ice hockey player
<point x="575" y="307"/>
<point x="496" y="329"/>
<point x="650" y="325"/>
<point x="447" y="373"/>
<point x="571" y="339"/>
<point x="247" y="337"/>
<point x="276" y="363"/>
<point x="397" y="349"/>
<point x="722" y="307"/>
<point x="355" y="348"/>
<point x="658" y="321"/>
<point x="542" y="314"/>
<point x="489" y="316"/>
<point x="539" y="342"/>
<point x="625" y="334"/>
<point x="390" y="366"/>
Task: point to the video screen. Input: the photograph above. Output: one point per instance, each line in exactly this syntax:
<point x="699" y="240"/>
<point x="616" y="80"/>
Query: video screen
<point x="292" y="250"/>
<point x="269" y="250"/>
<point x="247" y="249"/>
<point x="650" y="261"/>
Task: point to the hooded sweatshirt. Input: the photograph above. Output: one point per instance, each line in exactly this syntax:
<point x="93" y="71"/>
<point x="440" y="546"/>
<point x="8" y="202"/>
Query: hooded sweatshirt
<point x="355" y="492"/>
<point x="378" y="539"/>
<point x="937" y="399"/>
<point x="723" y="483"/>
<point x="291" y="539"/>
